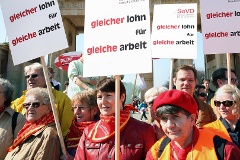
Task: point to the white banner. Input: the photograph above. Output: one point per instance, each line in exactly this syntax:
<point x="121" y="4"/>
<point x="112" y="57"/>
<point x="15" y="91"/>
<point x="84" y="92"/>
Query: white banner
<point x="174" y="31"/>
<point x="220" y="26"/>
<point x="116" y="37"/>
<point x="34" y="28"/>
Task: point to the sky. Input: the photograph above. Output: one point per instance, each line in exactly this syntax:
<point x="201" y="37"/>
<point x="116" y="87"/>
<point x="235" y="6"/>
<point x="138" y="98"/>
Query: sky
<point x="161" y="67"/>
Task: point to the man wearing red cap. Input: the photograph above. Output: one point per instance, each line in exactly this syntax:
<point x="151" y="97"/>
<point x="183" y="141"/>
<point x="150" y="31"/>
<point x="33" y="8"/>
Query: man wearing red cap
<point x="177" y="112"/>
<point x="186" y="80"/>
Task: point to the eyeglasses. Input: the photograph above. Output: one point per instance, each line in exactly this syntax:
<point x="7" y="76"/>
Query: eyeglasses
<point x="203" y="94"/>
<point x="80" y="108"/>
<point x="150" y="103"/>
<point x="31" y="75"/>
<point x="233" y="80"/>
<point x="33" y="104"/>
<point x="226" y="103"/>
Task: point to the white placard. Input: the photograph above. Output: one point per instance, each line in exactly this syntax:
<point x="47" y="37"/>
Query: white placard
<point x="116" y="37"/>
<point x="174" y="31"/>
<point x="34" y="28"/>
<point x="220" y="26"/>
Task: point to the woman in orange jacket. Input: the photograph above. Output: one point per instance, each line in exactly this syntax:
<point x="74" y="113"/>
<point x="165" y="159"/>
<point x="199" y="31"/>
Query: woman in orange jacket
<point x="227" y="103"/>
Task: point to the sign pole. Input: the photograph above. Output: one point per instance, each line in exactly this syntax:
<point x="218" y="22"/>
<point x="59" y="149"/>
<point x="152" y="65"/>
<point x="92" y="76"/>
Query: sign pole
<point x="171" y="75"/>
<point x="55" y="114"/>
<point x="134" y="87"/>
<point x="229" y="67"/>
<point x="117" y="117"/>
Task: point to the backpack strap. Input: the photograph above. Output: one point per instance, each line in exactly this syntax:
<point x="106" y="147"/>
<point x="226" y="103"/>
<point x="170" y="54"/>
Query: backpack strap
<point x="14" y="121"/>
<point x="163" y="144"/>
<point x="219" y="145"/>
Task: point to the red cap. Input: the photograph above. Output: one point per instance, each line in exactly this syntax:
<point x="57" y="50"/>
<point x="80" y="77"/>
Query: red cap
<point x="176" y="98"/>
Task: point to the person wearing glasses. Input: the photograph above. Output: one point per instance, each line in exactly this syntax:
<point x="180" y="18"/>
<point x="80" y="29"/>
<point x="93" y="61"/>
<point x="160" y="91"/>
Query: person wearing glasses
<point x="200" y="92"/>
<point x="86" y="112"/>
<point x="227" y="103"/>
<point x="98" y="140"/>
<point x="38" y="139"/>
<point x="149" y="96"/>
<point x="177" y="112"/>
<point x="186" y="80"/>
<point x="10" y="122"/>
<point x="35" y="78"/>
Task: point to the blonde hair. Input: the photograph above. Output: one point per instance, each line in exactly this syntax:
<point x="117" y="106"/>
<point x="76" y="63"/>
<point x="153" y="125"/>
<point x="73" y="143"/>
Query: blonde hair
<point x="89" y="97"/>
<point x="235" y="92"/>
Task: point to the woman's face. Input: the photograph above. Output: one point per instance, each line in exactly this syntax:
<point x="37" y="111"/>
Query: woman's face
<point x="178" y="126"/>
<point x="83" y="113"/>
<point x="106" y="102"/>
<point x="35" y="109"/>
<point x="225" y="112"/>
<point x="2" y="97"/>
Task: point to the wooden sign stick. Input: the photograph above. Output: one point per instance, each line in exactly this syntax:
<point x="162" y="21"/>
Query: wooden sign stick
<point x="55" y="114"/>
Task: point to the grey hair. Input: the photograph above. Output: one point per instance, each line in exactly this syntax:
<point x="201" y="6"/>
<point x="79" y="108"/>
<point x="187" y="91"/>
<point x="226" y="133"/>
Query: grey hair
<point x="8" y="91"/>
<point x="34" y="66"/>
<point x="154" y="91"/>
<point x="40" y="92"/>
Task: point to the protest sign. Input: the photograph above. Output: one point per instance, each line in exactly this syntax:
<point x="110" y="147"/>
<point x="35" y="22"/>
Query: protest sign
<point x="116" y="38"/>
<point x="174" y="31"/>
<point x="34" y="28"/>
<point x="220" y="26"/>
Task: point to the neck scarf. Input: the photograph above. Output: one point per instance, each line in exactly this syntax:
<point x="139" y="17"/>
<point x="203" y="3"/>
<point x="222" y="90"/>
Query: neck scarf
<point x="2" y="109"/>
<point x="75" y="133"/>
<point x="105" y="127"/>
<point x="181" y="153"/>
<point x="31" y="128"/>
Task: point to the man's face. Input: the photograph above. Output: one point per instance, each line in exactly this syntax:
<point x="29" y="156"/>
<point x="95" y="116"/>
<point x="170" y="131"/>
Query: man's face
<point x="234" y="80"/>
<point x="185" y="81"/>
<point x="150" y="101"/>
<point x="35" y="78"/>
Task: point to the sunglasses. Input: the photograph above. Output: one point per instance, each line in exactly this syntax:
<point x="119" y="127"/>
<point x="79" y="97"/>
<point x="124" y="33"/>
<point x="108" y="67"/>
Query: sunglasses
<point x="150" y="103"/>
<point x="225" y="103"/>
<point x="203" y="94"/>
<point x="31" y="75"/>
<point x="33" y="104"/>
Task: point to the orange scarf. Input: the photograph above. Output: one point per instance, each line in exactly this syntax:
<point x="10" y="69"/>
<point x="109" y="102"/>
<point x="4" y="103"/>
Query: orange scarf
<point x="2" y="109"/>
<point x="105" y="128"/>
<point x="75" y="133"/>
<point x="31" y="128"/>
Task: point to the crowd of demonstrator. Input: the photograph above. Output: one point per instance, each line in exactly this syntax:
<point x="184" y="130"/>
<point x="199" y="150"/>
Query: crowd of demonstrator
<point x="188" y="122"/>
